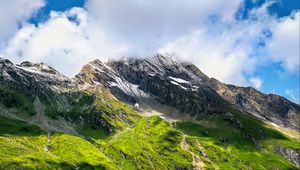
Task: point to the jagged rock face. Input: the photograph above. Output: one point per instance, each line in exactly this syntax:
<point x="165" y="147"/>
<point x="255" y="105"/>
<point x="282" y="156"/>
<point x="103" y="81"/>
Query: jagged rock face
<point x="36" y="80"/>
<point x="42" y="68"/>
<point x="48" y="97"/>
<point x="171" y="83"/>
<point x="85" y="104"/>
<point x="183" y="86"/>
<point x="162" y="77"/>
<point x="29" y="84"/>
<point x="272" y="108"/>
<point x="34" y="77"/>
<point x="290" y="154"/>
<point x="98" y="73"/>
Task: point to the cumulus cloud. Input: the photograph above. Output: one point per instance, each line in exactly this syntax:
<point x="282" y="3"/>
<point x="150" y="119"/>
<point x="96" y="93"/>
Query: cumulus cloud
<point x="256" y="82"/>
<point x="14" y="13"/>
<point x="232" y="51"/>
<point x="228" y="51"/>
<point x="293" y="94"/>
<point x="66" y="41"/>
<point x="146" y="25"/>
<point x="217" y="55"/>
<point x="284" y="46"/>
<point x="110" y="28"/>
<point x="205" y="33"/>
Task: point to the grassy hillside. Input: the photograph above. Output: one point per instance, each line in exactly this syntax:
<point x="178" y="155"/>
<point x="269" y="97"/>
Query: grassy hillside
<point x="112" y="135"/>
<point x="151" y="144"/>
<point x="229" y="148"/>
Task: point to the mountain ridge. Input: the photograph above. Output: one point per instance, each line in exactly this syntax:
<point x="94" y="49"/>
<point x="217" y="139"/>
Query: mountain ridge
<point x="281" y="114"/>
<point x="285" y="116"/>
<point x="153" y="113"/>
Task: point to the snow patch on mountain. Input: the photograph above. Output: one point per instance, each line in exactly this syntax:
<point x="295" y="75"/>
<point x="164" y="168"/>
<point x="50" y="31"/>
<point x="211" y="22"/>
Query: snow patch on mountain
<point x="29" y="69"/>
<point x="177" y="84"/>
<point x="128" y="88"/>
<point x="179" y="80"/>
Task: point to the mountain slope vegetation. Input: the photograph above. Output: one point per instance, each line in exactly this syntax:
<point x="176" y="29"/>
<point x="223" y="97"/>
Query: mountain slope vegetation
<point x="122" y="115"/>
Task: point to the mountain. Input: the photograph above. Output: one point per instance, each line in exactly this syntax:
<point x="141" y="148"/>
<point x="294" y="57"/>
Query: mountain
<point x="140" y="113"/>
<point x="183" y="86"/>
<point x="267" y="107"/>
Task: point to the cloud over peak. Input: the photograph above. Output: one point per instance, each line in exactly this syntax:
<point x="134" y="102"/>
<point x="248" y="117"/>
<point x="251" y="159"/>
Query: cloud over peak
<point x="206" y="33"/>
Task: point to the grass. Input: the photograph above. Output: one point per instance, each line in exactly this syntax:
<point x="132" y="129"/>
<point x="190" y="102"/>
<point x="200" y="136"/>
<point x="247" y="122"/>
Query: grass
<point x="112" y="135"/>
<point x="93" y="112"/>
<point x="157" y="146"/>
<point x="22" y="145"/>
<point x="25" y="149"/>
<point x="252" y="146"/>
<point x="12" y="98"/>
<point x="79" y="152"/>
<point x="18" y="128"/>
<point x="88" y="132"/>
<point x="152" y="144"/>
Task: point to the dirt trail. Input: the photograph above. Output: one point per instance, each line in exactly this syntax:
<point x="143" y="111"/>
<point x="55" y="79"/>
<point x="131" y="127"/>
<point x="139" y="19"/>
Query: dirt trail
<point x="46" y="147"/>
<point x="206" y="156"/>
<point x="197" y="162"/>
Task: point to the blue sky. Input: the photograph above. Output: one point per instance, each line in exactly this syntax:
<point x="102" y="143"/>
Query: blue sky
<point x="248" y="43"/>
<point x="279" y="8"/>
<point x="42" y="14"/>
<point x="275" y="79"/>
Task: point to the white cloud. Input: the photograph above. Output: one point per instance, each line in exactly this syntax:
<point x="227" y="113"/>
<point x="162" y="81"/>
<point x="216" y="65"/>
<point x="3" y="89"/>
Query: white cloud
<point x="145" y="25"/>
<point x="216" y="55"/>
<point x="14" y="13"/>
<point x="227" y="51"/>
<point x="232" y="51"/>
<point x="205" y="33"/>
<point x="256" y="82"/>
<point x="294" y="95"/>
<point x="284" y="46"/>
<point x="110" y="28"/>
<point x="61" y="43"/>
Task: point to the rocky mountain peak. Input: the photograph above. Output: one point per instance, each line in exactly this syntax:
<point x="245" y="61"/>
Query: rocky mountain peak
<point x="96" y="63"/>
<point x="167" y="60"/>
<point x="178" y="83"/>
<point x="38" y="68"/>
<point x="96" y="73"/>
<point x="195" y="70"/>
<point x="165" y="79"/>
<point x="159" y="85"/>
<point x="267" y="107"/>
<point x="5" y="62"/>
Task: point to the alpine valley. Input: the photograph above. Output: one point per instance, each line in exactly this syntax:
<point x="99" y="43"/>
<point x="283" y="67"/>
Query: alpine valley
<point x="141" y="113"/>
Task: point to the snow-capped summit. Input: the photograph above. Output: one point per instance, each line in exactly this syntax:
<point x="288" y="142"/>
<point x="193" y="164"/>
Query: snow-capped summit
<point x="38" y="68"/>
<point x="182" y="85"/>
<point x="160" y="78"/>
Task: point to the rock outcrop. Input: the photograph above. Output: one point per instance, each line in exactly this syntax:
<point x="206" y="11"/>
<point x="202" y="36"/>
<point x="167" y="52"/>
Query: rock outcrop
<point x="267" y="107"/>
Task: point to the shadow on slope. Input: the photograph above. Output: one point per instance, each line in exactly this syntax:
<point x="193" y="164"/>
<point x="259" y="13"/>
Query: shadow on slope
<point x="18" y="128"/>
<point x="240" y="140"/>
